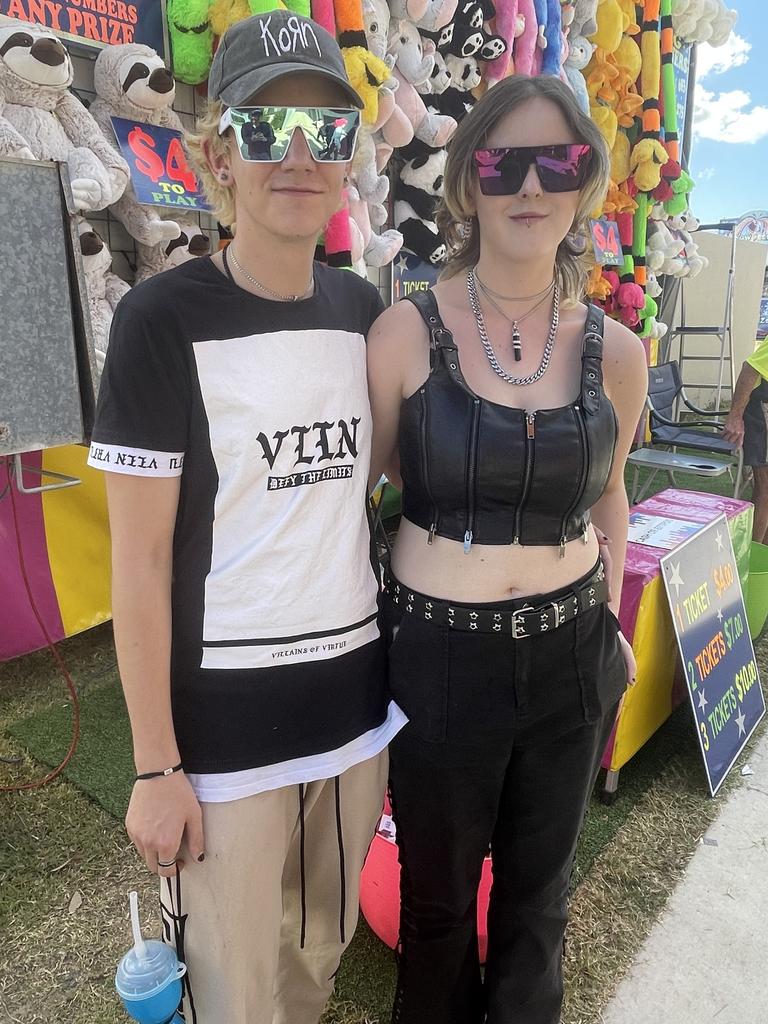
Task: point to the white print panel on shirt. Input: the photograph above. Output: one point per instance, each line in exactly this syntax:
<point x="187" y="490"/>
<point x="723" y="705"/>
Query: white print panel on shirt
<point x="118" y="458"/>
<point x="290" y="575"/>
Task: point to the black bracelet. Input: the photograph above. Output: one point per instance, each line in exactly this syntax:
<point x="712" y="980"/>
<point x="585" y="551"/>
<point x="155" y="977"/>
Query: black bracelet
<point x="157" y="775"/>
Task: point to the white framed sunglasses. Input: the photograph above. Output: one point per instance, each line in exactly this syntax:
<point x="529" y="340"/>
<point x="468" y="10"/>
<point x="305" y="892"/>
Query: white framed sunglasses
<point x="263" y="134"/>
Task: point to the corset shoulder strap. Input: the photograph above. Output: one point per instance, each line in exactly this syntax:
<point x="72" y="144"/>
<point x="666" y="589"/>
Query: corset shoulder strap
<point x="426" y="303"/>
<point x="592" y="360"/>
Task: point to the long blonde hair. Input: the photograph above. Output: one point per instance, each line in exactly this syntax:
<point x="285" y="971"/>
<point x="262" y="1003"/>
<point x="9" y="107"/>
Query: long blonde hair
<point x="455" y="217"/>
<point x="221" y="198"/>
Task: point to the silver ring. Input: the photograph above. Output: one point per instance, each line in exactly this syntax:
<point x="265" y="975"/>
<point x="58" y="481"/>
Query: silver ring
<point x="170" y="864"/>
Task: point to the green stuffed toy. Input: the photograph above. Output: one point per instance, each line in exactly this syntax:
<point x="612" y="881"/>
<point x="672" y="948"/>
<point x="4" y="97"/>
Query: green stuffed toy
<point x="681" y="188"/>
<point x="191" y="36"/>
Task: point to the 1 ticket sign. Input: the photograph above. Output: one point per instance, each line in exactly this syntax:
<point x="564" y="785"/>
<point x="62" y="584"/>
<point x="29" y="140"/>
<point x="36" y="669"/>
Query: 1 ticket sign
<point x="411" y="274"/>
<point x="704" y="593"/>
<point x="160" y="171"/>
<point x="95" y="22"/>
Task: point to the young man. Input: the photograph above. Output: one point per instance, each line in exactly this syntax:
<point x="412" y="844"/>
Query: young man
<point x="235" y="430"/>
<point x="747" y="425"/>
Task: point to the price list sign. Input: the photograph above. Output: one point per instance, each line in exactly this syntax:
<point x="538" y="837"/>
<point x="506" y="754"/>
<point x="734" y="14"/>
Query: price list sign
<point x="705" y="598"/>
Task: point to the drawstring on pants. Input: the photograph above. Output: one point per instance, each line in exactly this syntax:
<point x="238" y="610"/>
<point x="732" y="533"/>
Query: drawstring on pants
<point x="174" y="928"/>
<point x="342" y="864"/>
<point x="302" y="868"/>
<point x="340" y="835"/>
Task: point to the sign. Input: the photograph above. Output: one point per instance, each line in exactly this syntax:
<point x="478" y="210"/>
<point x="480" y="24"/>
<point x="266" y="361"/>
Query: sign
<point x="658" y="531"/>
<point x="96" y="22"/>
<point x="753" y="226"/>
<point x="681" y="67"/>
<point x="606" y="242"/>
<point x="160" y="170"/>
<point x="704" y="593"/>
<point x="411" y="274"/>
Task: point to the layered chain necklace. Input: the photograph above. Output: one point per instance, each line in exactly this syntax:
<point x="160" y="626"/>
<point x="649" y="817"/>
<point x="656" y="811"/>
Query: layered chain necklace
<point x="542" y="296"/>
<point x="229" y="251"/>
<point x="474" y="302"/>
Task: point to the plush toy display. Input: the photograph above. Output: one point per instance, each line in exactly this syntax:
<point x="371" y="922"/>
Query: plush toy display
<point x="584" y="18"/>
<point x="413" y="66"/>
<point x="152" y="259"/>
<point x="375" y="250"/>
<point x="552" y="38"/>
<point x="579" y="55"/>
<point x="510" y="23"/>
<point x="191" y="37"/>
<point x="40" y="119"/>
<point x="416" y="194"/>
<point x="703" y="21"/>
<point x="132" y="82"/>
<point x="457" y="100"/>
<point x="103" y="288"/>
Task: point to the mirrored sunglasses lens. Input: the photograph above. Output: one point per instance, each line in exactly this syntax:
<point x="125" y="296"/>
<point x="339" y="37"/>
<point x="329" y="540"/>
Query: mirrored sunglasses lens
<point x="335" y="134"/>
<point x="258" y="134"/>
<point x="264" y="134"/>
<point x="563" y="168"/>
<point x="500" y="171"/>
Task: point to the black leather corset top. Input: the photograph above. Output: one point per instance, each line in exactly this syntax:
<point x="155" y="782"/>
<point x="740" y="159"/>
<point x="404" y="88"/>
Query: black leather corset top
<point x="479" y="472"/>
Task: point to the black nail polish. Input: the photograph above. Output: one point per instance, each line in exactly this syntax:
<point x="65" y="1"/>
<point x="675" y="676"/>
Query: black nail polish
<point x="201" y="858"/>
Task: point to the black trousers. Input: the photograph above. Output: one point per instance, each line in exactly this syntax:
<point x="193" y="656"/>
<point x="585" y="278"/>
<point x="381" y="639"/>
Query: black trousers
<point x="502" y="750"/>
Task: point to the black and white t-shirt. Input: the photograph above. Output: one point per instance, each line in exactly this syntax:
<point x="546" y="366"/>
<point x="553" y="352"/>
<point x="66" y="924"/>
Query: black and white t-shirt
<point x="278" y="667"/>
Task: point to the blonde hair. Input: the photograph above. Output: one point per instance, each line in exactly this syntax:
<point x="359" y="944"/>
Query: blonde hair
<point x="456" y="218"/>
<point x="221" y="198"/>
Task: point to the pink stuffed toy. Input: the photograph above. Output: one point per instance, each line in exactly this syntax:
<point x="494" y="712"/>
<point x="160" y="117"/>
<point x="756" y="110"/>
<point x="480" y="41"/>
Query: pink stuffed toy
<point x="630" y="299"/>
<point x="525" y="44"/>
<point x="506" y="23"/>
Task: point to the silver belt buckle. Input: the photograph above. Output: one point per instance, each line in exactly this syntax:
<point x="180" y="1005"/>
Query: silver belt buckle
<point x="556" y="607"/>
<point x="518" y="632"/>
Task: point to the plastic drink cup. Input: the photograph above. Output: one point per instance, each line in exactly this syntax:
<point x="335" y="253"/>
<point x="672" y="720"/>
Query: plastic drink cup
<point x="148" y="977"/>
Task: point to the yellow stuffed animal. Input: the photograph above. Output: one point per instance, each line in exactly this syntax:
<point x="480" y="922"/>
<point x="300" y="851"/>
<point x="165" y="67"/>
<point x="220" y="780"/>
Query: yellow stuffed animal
<point x="606" y="121"/>
<point x="620" y="153"/>
<point x="648" y="157"/>
<point x="610" y="26"/>
<point x="223" y="13"/>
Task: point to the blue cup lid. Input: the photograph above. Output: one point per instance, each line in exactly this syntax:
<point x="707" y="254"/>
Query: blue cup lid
<point x="143" y="977"/>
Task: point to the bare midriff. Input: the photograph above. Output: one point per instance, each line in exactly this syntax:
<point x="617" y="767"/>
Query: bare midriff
<point x="488" y="572"/>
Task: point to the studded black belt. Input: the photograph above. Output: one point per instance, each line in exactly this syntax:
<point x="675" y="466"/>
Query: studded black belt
<point x="527" y="620"/>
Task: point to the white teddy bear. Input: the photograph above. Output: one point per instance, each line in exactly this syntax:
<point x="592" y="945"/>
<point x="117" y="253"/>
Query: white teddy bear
<point x="703" y="21"/>
<point x="652" y="286"/>
<point x="40" y="119"/>
<point x="104" y="289"/>
<point x="580" y="51"/>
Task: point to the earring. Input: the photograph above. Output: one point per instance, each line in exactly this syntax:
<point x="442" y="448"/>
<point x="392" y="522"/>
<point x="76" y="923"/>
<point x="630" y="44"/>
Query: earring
<point x="224" y="177"/>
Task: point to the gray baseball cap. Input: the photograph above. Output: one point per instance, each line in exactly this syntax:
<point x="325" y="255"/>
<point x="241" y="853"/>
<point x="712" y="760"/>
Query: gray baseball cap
<point x="254" y="52"/>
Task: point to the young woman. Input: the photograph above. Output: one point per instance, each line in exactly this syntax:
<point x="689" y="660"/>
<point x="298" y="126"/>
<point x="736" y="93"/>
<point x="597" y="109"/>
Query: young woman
<point x="235" y="428"/>
<point x="513" y="406"/>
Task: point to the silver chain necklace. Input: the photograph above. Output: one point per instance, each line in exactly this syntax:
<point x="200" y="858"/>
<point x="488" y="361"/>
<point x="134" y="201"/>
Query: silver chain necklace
<point x="517" y="338"/>
<point x="474" y="302"/>
<point x="284" y="298"/>
<point x="511" y="298"/>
